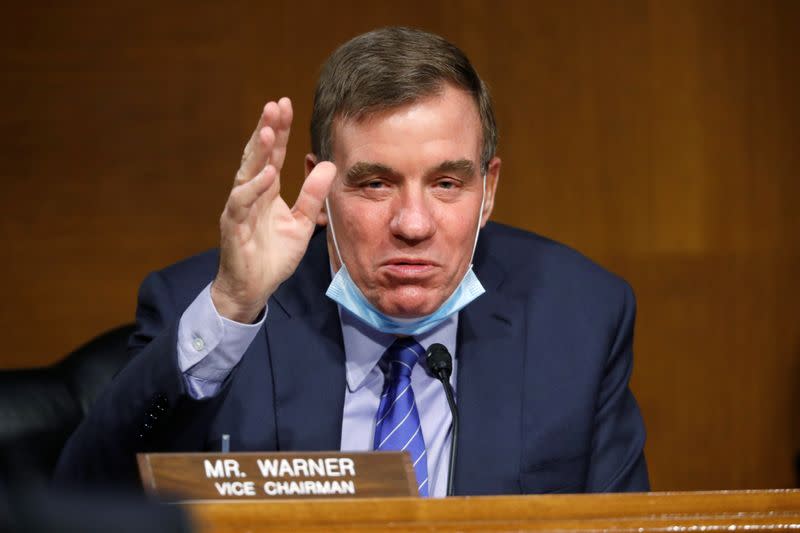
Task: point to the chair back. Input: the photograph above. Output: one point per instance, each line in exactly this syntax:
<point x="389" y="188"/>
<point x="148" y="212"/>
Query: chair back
<point x="41" y="407"/>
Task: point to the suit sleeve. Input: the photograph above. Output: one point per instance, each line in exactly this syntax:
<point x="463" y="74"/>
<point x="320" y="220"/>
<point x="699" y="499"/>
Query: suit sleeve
<point x="617" y="457"/>
<point x="145" y="408"/>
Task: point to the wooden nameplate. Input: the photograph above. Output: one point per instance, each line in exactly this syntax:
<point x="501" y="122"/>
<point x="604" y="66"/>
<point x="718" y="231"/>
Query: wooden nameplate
<point x="277" y="475"/>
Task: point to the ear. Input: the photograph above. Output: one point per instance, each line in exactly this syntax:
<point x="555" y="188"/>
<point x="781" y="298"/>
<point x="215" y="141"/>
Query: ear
<point x="492" y="177"/>
<point x="310" y="162"/>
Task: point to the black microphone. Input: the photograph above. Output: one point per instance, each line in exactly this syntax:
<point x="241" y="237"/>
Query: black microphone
<point x="441" y="364"/>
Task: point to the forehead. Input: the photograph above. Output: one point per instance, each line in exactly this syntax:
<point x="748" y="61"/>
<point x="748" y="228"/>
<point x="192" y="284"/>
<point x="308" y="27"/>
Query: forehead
<point x="423" y="133"/>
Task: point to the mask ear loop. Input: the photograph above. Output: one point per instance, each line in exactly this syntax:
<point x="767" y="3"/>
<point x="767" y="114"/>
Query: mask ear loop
<point x="480" y="219"/>
<point x="333" y="231"/>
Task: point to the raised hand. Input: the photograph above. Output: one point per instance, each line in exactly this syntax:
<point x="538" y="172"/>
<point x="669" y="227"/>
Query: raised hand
<point x="262" y="239"/>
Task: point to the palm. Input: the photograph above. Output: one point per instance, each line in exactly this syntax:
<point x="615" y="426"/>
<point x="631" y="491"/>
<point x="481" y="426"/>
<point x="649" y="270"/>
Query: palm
<point x="273" y="227"/>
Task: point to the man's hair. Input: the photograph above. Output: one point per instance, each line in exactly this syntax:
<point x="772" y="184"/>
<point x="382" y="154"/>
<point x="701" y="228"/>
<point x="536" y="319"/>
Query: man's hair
<point x="388" y="68"/>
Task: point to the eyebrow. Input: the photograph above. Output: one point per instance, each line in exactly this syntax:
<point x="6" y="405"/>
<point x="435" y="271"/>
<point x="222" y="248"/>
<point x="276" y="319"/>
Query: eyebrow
<point x="367" y="168"/>
<point x="361" y="169"/>
<point x="464" y="167"/>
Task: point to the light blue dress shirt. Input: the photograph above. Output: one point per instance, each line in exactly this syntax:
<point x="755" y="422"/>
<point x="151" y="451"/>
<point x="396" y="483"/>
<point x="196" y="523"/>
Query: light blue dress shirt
<point x="210" y="346"/>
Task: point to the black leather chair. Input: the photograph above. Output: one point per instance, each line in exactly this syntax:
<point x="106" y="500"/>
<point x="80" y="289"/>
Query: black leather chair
<point x="41" y="407"/>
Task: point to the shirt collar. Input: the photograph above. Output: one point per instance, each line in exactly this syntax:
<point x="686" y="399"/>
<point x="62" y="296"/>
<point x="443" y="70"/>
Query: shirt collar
<point x="364" y="346"/>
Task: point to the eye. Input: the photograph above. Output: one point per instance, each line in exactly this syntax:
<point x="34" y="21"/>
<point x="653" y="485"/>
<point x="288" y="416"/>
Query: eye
<point x="376" y="188"/>
<point x="447" y="184"/>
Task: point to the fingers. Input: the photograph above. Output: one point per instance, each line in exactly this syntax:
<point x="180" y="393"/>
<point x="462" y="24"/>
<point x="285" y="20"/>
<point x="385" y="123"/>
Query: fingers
<point x="256" y="153"/>
<point x="282" y="129"/>
<point x="244" y="195"/>
<point x="315" y="189"/>
<point x="269" y="140"/>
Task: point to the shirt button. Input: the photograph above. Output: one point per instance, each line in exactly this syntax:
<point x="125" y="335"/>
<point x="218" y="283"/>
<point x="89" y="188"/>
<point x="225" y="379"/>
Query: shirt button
<point x="198" y="344"/>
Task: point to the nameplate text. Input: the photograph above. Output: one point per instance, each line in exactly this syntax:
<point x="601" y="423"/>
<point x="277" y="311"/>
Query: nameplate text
<point x="253" y="476"/>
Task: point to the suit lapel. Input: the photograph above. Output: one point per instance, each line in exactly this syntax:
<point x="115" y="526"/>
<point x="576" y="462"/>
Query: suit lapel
<point x="307" y="355"/>
<point x="491" y="344"/>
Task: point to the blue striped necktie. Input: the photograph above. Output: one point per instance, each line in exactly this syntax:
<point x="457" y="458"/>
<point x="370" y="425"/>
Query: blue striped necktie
<point x="397" y="424"/>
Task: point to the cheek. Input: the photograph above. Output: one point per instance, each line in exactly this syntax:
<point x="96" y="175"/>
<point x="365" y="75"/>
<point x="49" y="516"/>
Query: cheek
<point x="363" y="228"/>
<point x="463" y="224"/>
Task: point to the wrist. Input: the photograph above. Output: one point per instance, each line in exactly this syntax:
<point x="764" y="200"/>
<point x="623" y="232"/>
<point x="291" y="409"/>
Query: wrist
<point x="237" y="309"/>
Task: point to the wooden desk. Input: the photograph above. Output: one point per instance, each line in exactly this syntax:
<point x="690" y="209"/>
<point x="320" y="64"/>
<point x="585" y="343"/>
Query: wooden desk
<point x="665" y="511"/>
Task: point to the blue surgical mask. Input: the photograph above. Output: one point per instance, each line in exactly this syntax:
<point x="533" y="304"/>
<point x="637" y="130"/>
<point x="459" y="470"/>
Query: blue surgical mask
<point x="346" y="293"/>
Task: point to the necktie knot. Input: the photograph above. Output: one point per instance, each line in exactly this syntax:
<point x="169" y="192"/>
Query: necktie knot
<point x="402" y="355"/>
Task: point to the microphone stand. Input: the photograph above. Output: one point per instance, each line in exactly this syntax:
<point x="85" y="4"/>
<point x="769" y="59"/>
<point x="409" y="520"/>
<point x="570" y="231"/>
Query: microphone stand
<point x="440" y="362"/>
<point x="448" y="391"/>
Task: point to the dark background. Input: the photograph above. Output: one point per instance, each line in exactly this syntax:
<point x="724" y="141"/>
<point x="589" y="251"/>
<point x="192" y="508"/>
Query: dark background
<point x="660" y="138"/>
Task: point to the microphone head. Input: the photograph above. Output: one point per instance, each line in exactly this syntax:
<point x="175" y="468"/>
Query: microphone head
<point x="439" y="360"/>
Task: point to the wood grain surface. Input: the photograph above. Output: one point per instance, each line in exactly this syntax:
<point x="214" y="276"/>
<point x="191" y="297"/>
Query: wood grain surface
<point x="658" y="137"/>
<point x="675" y="512"/>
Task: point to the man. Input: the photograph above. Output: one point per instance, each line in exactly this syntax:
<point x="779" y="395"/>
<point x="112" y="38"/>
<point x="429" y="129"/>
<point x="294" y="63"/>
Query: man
<point x="402" y="177"/>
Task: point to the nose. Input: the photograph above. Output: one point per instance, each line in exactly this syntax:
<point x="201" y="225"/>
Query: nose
<point x="412" y="219"/>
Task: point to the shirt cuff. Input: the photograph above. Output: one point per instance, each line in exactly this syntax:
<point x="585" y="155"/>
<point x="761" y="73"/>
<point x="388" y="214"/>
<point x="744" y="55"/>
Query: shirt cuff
<point x="210" y="345"/>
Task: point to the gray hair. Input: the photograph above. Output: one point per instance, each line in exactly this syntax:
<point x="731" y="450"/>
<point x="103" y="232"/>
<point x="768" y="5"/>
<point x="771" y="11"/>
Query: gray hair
<point x="388" y="68"/>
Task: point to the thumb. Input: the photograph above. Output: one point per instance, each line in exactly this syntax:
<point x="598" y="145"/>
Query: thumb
<point x="315" y="189"/>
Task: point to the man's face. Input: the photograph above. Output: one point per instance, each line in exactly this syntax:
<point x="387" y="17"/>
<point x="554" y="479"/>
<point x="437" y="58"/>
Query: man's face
<point x="406" y="200"/>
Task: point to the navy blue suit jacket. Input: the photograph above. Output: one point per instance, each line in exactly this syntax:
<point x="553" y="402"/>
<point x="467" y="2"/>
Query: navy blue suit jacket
<point x="544" y="362"/>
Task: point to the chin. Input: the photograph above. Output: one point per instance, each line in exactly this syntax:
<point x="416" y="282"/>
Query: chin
<point x="411" y="305"/>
